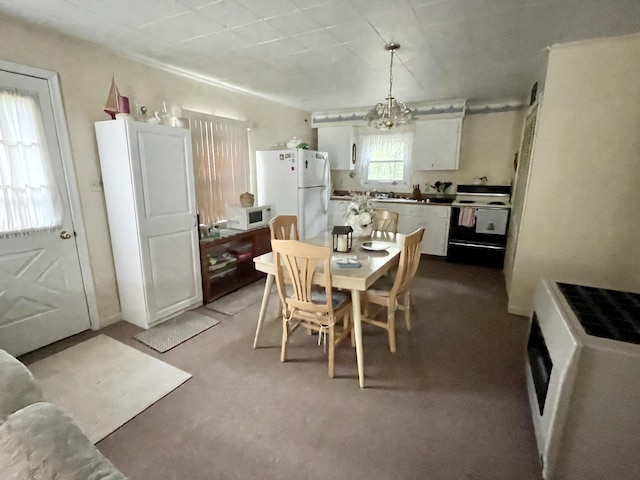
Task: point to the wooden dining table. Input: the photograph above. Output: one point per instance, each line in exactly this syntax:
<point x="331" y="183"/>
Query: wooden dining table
<point x="373" y="264"/>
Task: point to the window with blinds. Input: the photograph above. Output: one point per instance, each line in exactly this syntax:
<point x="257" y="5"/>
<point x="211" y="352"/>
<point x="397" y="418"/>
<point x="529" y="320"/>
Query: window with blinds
<point x="221" y="163"/>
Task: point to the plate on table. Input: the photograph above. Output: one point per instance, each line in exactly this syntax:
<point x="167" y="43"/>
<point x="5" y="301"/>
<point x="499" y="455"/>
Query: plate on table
<point x="375" y="246"/>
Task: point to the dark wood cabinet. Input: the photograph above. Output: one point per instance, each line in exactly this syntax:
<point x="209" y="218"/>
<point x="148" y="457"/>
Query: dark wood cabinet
<point x="227" y="262"/>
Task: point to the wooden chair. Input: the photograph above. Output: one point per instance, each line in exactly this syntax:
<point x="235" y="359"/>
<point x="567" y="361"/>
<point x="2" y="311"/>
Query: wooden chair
<point x="385" y="221"/>
<point x="318" y="308"/>
<point x="394" y="293"/>
<point x="284" y="227"/>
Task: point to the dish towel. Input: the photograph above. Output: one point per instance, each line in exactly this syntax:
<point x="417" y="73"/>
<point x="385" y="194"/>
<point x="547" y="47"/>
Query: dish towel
<point x="492" y="221"/>
<point x="467" y="217"/>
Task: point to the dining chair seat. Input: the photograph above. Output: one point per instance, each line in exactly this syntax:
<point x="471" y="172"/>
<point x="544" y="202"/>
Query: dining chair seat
<point x="394" y="292"/>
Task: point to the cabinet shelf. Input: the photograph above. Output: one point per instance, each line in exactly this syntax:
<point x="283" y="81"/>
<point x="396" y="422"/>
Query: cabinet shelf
<point x="234" y="266"/>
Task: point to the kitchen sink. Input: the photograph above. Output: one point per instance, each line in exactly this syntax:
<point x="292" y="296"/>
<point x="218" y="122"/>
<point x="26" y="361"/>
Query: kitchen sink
<point x="438" y="200"/>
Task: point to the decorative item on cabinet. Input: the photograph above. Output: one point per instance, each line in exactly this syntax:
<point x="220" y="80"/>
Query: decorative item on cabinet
<point x="416" y="195"/>
<point x="116" y="103"/>
<point x="246" y="200"/>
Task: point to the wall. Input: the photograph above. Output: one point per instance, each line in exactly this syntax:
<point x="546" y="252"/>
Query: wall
<point x="580" y="218"/>
<point x="489" y="142"/>
<point x="85" y="74"/>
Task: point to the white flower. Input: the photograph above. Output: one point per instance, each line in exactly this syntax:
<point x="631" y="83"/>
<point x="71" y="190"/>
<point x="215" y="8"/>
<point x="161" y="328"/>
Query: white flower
<point x="359" y="210"/>
<point x="365" y="218"/>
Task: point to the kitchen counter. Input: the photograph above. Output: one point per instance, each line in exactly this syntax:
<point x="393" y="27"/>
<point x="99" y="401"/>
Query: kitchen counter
<point x="426" y="200"/>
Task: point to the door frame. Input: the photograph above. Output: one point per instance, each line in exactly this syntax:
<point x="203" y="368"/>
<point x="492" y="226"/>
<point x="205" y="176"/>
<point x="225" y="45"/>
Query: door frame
<point x="64" y="144"/>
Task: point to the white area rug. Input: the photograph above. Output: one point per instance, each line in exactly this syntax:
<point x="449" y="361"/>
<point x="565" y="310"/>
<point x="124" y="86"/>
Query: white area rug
<point x="173" y="332"/>
<point x="240" y="299"/>
<point x="103" y="383"/>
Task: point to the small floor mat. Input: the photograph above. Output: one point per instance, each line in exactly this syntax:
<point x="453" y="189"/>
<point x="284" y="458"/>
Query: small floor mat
<point x="240" y="299"/>
<point x="173" y="332"/>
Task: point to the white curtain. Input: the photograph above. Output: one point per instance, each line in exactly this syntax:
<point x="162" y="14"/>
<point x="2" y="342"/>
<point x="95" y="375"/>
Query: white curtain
<point x="221" y="163"/>
<point x="29" y="197"/>
<point x="391" y="151"/>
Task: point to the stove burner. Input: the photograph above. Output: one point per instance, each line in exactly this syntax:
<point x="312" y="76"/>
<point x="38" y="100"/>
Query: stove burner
<point x="496" y="203"/>
<point x="466" y="201"/>
<point x="605" y="313"/>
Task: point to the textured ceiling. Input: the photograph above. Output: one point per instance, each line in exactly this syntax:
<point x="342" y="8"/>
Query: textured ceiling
<point x="329" y="54"/>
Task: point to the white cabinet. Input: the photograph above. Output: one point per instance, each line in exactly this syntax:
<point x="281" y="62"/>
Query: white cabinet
<point x="436" y="224"/>
<point x="337" y="211"/>
<point x="437" y="144"/>
<point x="147" y="172"/>
<point x="433" y="218"/>
<point x="340" y="144"/>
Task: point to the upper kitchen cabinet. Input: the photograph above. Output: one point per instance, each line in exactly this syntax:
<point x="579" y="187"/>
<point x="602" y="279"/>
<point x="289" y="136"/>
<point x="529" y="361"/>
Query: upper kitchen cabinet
<point x="340" y="144"/>
<point x="437" y="144"/>
<point x="148" y="178"/>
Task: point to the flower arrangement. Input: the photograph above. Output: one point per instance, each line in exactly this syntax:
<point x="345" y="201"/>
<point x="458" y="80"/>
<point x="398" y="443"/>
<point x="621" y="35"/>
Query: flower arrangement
<point x="359" y="212"/>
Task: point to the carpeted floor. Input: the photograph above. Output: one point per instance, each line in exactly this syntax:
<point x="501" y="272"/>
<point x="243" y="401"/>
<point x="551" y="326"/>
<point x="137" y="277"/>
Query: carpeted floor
<point x="450" y="404"/>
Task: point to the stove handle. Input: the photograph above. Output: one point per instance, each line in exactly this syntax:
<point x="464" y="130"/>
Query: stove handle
<point x="476" y="245"/>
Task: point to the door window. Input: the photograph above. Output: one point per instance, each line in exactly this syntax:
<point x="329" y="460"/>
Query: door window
<point x="29" y="196"/>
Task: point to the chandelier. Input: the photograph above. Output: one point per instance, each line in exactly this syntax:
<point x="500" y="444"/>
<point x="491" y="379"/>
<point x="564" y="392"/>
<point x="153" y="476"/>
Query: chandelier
<point x="391" y="113"/>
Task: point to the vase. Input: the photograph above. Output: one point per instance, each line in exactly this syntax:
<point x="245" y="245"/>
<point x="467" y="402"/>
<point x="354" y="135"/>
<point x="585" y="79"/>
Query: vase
<point x="360" y="231"/>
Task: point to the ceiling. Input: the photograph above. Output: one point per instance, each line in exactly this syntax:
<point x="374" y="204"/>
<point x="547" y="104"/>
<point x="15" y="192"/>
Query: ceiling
<point x="329" y="54"/>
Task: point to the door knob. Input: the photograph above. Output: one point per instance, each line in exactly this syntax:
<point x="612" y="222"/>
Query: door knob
<point x="65" y="235"/>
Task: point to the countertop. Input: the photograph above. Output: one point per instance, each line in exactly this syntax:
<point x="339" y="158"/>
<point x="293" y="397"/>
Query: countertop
<point x="427" y="199"/>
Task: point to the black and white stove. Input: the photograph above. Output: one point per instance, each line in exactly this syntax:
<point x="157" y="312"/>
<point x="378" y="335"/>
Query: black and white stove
<point x="478" y="226"/>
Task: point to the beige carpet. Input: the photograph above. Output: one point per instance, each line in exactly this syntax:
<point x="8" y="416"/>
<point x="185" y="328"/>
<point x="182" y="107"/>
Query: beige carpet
<point x="240" y="299"/>
<point x="104" y="383"/>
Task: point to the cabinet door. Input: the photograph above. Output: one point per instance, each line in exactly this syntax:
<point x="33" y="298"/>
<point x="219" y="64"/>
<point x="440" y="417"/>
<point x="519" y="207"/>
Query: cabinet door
<point x="339" y="143"/>
<point x="436" y="235"/>
<point x="437" y="144"/>
<point x="337" y="211"/>
<point x="165" y="203"/>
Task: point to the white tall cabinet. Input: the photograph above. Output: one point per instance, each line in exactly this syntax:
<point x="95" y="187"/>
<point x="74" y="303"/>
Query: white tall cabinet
<point x="147" y="173"/>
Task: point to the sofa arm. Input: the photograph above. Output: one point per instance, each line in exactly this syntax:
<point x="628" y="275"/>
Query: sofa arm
<point x="17" y="386"/>
<point x="41" y="441"/>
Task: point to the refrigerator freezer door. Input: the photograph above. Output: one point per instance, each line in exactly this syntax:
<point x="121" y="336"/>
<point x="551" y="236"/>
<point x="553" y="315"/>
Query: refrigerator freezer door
<point x="277" y="176"/>
<point x="312" y="217"/>
<point x="313" y="169"/>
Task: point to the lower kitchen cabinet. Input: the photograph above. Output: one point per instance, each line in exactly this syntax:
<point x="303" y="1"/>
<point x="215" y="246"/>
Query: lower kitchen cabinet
<point x="337" y="212"/>
<point x="227" y="262"/>
<point x="434" y="219"/>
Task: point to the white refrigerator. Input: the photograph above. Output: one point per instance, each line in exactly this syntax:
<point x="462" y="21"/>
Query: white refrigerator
<point x="296" y="182"/>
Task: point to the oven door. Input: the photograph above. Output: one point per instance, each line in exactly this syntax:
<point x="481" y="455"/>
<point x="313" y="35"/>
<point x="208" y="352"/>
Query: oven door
<point x="475" y="239"/>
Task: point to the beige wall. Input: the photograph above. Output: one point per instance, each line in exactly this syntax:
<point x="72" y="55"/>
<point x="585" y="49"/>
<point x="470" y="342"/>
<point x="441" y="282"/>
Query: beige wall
<point x="580" y="219"/>
<point x="489" y="143"/>
<point x="85" y="74"/>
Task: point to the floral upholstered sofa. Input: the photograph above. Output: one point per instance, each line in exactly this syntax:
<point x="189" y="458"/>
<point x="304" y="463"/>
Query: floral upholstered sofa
<point x="38" y="441"/>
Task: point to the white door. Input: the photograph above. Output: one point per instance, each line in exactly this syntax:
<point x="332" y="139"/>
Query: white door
<point x="166" y="211"/>
<point x="42" y="296"/>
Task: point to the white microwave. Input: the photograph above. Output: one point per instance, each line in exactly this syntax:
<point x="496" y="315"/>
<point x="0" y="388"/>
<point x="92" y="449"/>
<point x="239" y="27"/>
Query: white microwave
<point x="246" y="218"/>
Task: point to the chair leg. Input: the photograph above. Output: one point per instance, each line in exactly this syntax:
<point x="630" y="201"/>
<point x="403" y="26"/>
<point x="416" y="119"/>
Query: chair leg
<point x="285" y="340"/>
<point x="332" y="350"/>
<point x="391" y="328"/>
<point x="407" y="310"/>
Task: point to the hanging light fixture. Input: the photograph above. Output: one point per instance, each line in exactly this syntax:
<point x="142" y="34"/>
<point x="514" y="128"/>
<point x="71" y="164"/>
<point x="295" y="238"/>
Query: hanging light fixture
<point x="391" y="113"/>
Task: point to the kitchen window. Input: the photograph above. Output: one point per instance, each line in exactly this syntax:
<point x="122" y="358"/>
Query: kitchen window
<point x="385" y="157"/>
